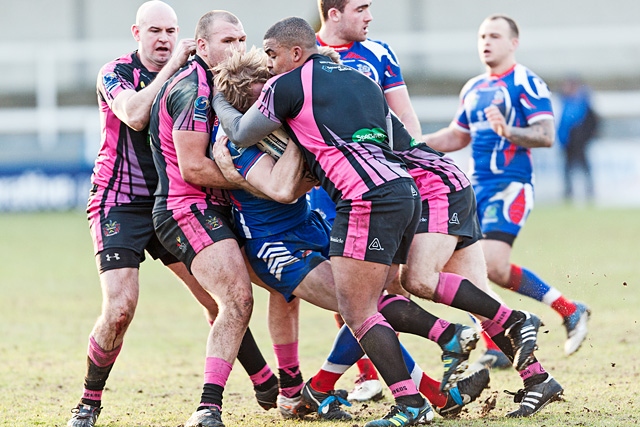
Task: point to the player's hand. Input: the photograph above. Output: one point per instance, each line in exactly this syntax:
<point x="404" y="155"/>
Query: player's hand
<point x="222" y="157"/>
<point x="182" y="51"/>
<point x="497" y="121"/>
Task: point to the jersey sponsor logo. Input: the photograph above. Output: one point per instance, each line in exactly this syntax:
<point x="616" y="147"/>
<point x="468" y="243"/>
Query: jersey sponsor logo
<point x="110" y="81"/>
<point x="115" y="256"/>
<point x="353" y="55"/>
<point x="213" y="223"/>
<point x="372" y="135"/>
<point x="375" y="245"/>
<point x="336" y="240"/>
<point x="454" y="219"/>
<point x="182" y="246"/>
<point x="201" y="107"/>
<point x="111" y="228"/>
<point x="277" y="257"/>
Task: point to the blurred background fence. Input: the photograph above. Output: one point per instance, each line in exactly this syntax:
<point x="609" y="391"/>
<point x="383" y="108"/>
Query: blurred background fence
<point x="50" y="54"/>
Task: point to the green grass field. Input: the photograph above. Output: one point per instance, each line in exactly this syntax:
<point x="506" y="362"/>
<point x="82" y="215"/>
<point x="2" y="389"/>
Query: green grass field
<point x="50" y="297"/>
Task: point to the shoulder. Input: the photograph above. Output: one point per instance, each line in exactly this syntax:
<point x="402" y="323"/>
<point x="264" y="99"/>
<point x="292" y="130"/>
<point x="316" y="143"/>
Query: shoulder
<point x="472" y="82"/>
<point x="530" y="82"/>
<point x="378" y="48"/>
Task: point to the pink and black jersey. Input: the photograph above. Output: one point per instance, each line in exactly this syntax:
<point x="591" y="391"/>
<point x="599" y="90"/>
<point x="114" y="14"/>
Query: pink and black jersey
<point x="433" y="171"/>
<point x="183" y="103"/>
<point x="523" y="98"/>
<point x="346" y="145"/>
<point x="375" y="59"/>
<point x="124" y="166"/>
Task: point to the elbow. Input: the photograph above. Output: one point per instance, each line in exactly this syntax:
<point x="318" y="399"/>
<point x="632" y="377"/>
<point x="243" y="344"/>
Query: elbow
<point x="190" y="175"/>
<point x="283" y="195"/>
<point x="138" y="123"/>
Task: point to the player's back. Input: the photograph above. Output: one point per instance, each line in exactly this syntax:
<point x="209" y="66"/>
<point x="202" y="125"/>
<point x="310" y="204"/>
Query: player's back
<point x="339" y="117"/>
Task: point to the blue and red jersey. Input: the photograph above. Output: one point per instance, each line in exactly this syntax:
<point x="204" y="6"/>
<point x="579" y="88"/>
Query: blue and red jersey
<point x="256" y="217"/>
<point x="524" y="99"/>
<point x="375" y="59"/>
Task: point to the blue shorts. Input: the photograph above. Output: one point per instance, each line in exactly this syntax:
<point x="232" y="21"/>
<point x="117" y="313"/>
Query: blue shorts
<point x="320" y="201"/>
<point x="283" y="260"/>
<point x="503" y="209"/>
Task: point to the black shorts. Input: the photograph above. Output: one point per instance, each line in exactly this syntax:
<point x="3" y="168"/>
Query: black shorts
<point x="380" y="226"/>
<point x="126" y="225"/>
<point x="452" y="213"/>
<point x="188" y="231"/>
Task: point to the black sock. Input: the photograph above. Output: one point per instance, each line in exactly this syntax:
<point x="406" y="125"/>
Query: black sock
<point x="95" y="379"/>
<point x="211" y="394"/>
<point x="389" y="363"/>
<point x="406" y="316"/>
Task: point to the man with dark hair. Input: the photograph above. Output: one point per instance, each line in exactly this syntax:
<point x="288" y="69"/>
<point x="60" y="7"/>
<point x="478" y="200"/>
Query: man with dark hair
<point x="338" y="118"/>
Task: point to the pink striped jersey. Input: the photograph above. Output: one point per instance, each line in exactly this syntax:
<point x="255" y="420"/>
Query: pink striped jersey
<point x="183" y="103"/>
<point x="124" y="166"/>
<point x="433" y="171"/>
<point x="338" y="117"/>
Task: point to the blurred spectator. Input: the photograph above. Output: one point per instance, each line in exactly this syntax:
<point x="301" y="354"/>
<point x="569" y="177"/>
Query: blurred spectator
<point x="577" y="126"/>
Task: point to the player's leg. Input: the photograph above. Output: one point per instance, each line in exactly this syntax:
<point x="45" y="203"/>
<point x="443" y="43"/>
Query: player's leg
<point x="120" y="235"/>
<point x="265" y="383"/>
<point x="221" y="270"/>
<point x="283" y="320"/>
<point x="119" y="300"/>
<point x="509" y="209"/>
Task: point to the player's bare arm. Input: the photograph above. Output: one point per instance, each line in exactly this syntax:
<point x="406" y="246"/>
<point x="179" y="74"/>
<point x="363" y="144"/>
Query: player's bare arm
<point x="284" y="180"/>
<point x="447" y="140"/>
<point x="132" y="108"/>
<point x="225" y="164"/>
<point x="195" y="167"/>
<point x="400" y="104"/>
<point x="539" y="134"/>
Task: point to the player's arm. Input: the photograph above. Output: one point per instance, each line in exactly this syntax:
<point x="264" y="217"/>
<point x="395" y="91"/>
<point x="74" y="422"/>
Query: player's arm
<point x="400" y="104"/>
<point x="195" y="167"/>
<point x="285" y="180"/>
<point x="133" y="108"/>
<point x="447" y="139"/>
<point x="538" y="134"/>
<point x="243" y="129"/>
<point x="282" y="181"/>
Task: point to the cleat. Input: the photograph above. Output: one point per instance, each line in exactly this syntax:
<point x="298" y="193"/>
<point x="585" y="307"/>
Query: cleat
<point x="401" y="415"/>
<point x="455" y="355"/>
<point x="366" y="390"/>
<point x="492" y="359"/>
<point x="524" y="336"/>
<point x="267" y="399"/>
<point x="576" y="326"/>
<point x="466" y="391"/>
<point x="326" y="404"/>
<point x="292" y="407"/>
<point x="84" y="416"/>
<point x="208" y="417"/>
<point x="535" y="397"/>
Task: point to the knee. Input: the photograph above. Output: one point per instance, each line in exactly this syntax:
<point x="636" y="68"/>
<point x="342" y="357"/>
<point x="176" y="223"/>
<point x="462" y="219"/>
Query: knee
<point x="499" y="274"/>
<point x="420" y="288"/>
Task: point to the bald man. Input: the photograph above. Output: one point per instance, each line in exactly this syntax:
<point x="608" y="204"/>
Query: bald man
<point x="121" y="200"/>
